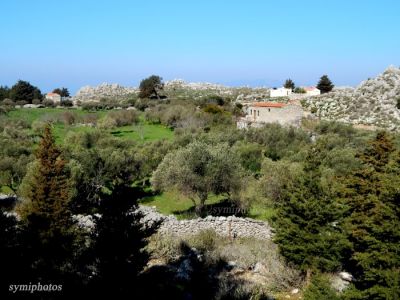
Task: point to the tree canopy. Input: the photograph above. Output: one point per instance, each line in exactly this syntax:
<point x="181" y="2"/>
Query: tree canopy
<point x="198" y="170"/>
<point x="289" y="84"/>
<point x="150" y="87"/>
<point x="23" y="90"/>
<point x="325" y="85"/>
<point x="63" y="92"/>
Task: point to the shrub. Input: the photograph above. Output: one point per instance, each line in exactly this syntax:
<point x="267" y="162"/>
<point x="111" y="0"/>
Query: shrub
<point x="314" y="110"/>
<point x="38" y="126"/>
<point x="8" y="102"/>
<point x="205" y="240"/>
<point x="217" y="100"/>
<point x="213" y="109"/>
<point x="36" y="101"/>
<point x="320" y="288"/>
<point x="398" y="103"/>
<point x="21" y="102"/>
<point x="49" y="103"/>
<point x="106" y="123"/>
<point x="299" y="90"/>
<point x="90" y="118"/>
<point x="68" y="118"/>
<point x="124" y="117"/>
<point x="66" y="103"/>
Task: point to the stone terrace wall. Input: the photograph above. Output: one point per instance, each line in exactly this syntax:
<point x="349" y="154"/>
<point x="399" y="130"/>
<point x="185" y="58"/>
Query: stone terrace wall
<point x="225" y="226"/>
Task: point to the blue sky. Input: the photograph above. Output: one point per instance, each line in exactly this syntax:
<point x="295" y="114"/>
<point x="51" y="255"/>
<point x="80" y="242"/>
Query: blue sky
<point x="77" y="42"/>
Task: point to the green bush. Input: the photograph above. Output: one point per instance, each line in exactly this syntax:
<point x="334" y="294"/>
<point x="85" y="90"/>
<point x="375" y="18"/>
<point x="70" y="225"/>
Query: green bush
<point x="124" y="117"/>
<point x="205" y="240"/>
<point x="320" y="289"/>
<point x="213" y="109"/>
<point x="106" y="123"/>
<point x="49" y="103"/>
<point x="66" y="103"/>
<point x="8" y="102"/>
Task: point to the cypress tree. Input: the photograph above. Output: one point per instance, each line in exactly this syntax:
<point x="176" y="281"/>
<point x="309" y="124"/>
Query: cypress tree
<point x="325" y="84"/>
<point x="289" y="84"/>
<point x="45" y="212"/>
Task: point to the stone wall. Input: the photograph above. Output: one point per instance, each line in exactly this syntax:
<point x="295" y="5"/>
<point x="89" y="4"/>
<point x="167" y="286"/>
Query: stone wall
<point x="225" y="226"/>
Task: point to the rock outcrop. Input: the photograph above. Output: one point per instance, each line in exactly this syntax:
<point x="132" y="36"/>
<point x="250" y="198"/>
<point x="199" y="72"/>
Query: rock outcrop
<point x="104" y="91"/>
<point x="374" y="102"/>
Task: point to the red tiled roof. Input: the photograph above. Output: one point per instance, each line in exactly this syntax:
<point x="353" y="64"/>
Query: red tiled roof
<point x="309" y="88"/>
<point x="52" y="94"/>
<point x="268" y="104"/>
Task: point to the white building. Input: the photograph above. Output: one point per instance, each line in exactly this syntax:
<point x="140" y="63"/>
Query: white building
<point x="312" y="91"/>
<point x="53" y="97"/>
<point x="280" y="92"/>
<point x="260" y="113"/>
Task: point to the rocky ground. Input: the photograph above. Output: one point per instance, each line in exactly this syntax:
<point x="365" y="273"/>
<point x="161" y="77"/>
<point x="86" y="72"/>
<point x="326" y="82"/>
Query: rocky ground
<point x="372" y="103"/>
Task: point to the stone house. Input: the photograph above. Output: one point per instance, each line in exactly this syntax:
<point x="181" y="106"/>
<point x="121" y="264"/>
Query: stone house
<point x="312" y="91"/>
<point x="56" y="98"/>
<point x="259" y="113"/>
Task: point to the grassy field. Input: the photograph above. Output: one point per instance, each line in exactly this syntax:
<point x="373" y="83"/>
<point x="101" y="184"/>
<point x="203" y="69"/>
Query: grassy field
<point x="174" y="203"/>
<point x="141" y="132"/>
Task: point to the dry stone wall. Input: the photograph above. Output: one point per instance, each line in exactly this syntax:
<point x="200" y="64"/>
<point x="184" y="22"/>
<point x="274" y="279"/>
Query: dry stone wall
<point x="225" y="226"/>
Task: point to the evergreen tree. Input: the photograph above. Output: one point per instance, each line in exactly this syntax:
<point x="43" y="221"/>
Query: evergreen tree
<point x="289" y="84"/>
<point x="4" y="92"/>
<point x="325" y="84"/>
<point x="23" y="90"/>
<point x="307" y="223"/>
<point x="45" y="213"/>
<point x="63" y="92"/>
<point x="119" y="240"/>
<point x="373" y="222"/>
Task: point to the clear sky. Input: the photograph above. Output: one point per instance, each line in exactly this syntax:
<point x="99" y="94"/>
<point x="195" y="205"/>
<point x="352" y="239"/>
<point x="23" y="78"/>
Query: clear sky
<point x="73" y="43"/>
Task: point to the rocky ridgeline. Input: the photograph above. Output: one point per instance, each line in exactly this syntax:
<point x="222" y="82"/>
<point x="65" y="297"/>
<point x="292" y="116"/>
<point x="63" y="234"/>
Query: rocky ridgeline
<point x="103" y="91"/>
<point x="181" y="84"/>
<point x="373" y="102"/>
<point x="225" y="226"/>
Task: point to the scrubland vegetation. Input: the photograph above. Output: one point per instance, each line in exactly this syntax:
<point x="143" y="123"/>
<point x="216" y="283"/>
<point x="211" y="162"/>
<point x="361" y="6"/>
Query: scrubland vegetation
<point x="330" y="191"/>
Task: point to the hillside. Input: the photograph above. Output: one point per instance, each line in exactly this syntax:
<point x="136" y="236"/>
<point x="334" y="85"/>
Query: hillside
<point x="373" y="102"/>
<point x="177" y="89"/>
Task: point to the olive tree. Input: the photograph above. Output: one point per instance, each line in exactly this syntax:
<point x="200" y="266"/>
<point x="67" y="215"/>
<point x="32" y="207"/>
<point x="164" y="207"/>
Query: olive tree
<point x="198" y="170"/>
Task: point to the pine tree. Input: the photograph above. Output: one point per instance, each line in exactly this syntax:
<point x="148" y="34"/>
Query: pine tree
<point x="45" y="212"/>
<point x="325" y="84"/>
<point x="289" y="84"/>
<point x="308" y="223"/>
<point x="373" y="222"/>
<point x="119" y="240"/>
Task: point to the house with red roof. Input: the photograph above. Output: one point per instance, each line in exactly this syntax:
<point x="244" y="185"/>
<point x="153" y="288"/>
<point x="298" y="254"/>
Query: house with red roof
<point x="56" y="98"/>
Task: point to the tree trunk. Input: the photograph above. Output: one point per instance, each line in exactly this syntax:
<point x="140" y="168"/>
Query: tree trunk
<point x="308" y="277"/>
<point x="200" y="207"/>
